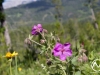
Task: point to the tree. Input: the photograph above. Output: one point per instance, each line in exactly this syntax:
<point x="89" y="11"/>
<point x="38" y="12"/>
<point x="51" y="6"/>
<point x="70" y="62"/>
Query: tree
<point x="58" y="8"/>
<point x="2" y="15"/>
<point x="2" y="21"/>
<point x="91" y="4"/>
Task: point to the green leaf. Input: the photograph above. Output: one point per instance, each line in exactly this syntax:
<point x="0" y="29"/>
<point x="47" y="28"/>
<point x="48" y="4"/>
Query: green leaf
<point x="78" y="45"/>
<point x="78" y="73"/>
<point x="74" y="60"/>
<point x="91" y="56"/>
<point x="43" y="48"/>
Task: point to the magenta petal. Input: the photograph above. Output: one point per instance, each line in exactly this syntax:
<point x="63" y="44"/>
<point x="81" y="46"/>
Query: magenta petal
<point x="58" y="46"/>
<point x="68" y="53"/>
<point x="67" y="46"/>
<point x="57" y="53"/>
<point x="62" y="51"/>
<point x="35" y="27"/>
<point x="34" y="32"/>
<point x="39" y="26"/>
<point x="62" y="57"/>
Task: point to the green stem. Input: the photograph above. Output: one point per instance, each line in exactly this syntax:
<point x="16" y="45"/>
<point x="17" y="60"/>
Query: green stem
<point x="16" y="64"/>
<point x="10" y="69"/>
<point x="43" y="36"/>
<point x="36" y="42"/>
<point x="67" y="70"/>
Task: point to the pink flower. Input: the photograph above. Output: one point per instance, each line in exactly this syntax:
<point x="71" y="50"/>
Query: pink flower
<point x="62" y="51"/>
<point x="37" y="29"/>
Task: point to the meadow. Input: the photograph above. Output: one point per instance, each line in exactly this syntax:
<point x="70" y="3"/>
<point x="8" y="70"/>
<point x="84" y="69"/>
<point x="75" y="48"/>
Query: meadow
<point x="46" y="47"/>
<point x="33" y="59"/>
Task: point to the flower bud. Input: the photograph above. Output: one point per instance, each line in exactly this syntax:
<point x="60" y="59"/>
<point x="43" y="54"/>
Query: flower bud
<point x="79" y="59"/>
<point x="27" y="41"/>
<point x="82" y="51"/>
<point x="58" y="39"/>
<point x="49" y="62"/>
<point x="45" y="31"/>
<point x="82" y="45"/>
<point x="85" y="58"/>
<point x="42" y="41"/>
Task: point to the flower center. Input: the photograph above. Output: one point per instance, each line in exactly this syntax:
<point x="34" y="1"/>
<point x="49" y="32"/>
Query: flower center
<point x="38" y="29"/>
<point x="62" y="50"/>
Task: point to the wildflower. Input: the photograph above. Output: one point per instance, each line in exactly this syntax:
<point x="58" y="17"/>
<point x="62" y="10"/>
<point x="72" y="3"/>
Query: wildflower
<point x="19" y="69"/>
<point x="37" y="29"/>
<point x="62" y="50"/>
<point x="14" y="54"/>
<point x="10" y="55"/>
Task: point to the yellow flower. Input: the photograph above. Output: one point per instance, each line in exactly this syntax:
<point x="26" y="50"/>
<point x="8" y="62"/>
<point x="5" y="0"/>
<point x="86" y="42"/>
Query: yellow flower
<point x="8" y="55"/>
<point x="19" y="69"/>
<point x="14" y="54"/>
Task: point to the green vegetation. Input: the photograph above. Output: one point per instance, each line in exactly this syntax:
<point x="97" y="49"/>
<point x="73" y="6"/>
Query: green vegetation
<point x="76" y="34"/>
<point x="43" y="12"/>
<point x="78" y="30"/>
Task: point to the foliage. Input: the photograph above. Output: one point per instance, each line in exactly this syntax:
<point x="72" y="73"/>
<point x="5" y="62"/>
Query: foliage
<point x="76" y="33"/>
<point x="44" y="12"/>
<point x="34" y="59"/>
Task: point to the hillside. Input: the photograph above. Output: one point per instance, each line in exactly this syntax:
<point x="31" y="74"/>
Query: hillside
<point x="43" y="12"/>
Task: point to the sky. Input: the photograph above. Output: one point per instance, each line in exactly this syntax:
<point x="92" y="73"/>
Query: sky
<point x="13" y="3"/>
